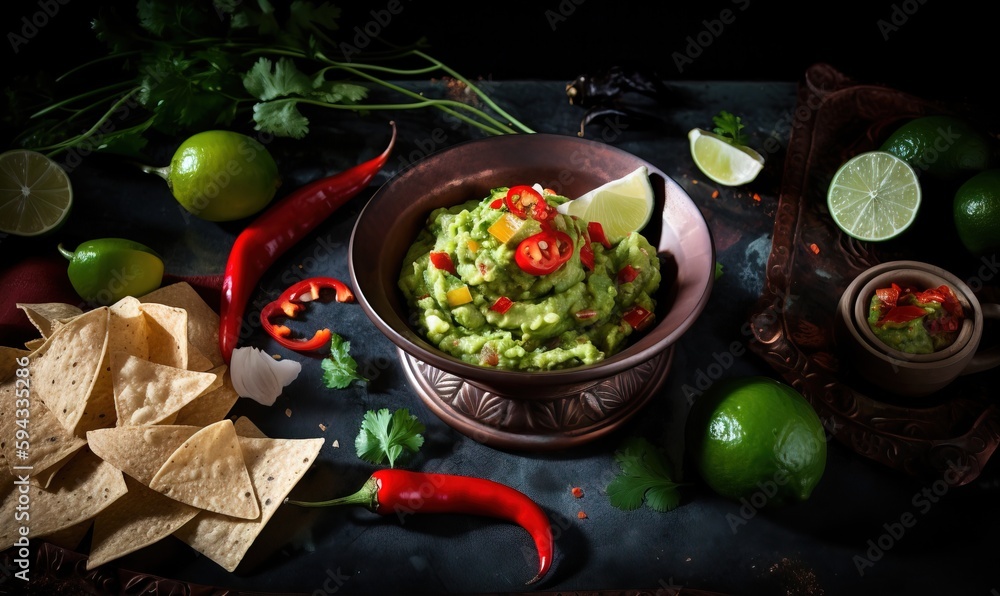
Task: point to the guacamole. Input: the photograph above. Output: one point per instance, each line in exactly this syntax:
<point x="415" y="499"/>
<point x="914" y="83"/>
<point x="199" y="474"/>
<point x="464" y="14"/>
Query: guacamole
<point x="508" y="282"/>
<point x="915" y="321"/>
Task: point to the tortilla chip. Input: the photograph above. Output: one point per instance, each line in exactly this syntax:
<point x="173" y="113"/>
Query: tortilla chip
<point x="203" y="321"/>
<point x="138" y="451"/>
<point x="211" y="406"/>
<point x="9" y="361"/>
<point x="197" y="360"/>
<point x="166" y="334"/>
<point x="81" y="489"/>
<point x="71" y="537"/>
<point x="44" y="314"/>
<point x="126" y="333"/>
<point x="65" y="369"/>
<point x="208" y="472"/>
<point x="146" y="392"/>
<point x="275" y="466"/>
<point x="34" y="344"/>
<point x="246" y="428"/>
<point x="139" y="518"/>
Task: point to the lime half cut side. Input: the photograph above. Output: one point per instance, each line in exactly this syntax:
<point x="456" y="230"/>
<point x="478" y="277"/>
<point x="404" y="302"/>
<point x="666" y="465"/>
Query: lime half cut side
<point x="874" y="196"/>
<point x="621" y="206"/>
<point x="35" y="193"/>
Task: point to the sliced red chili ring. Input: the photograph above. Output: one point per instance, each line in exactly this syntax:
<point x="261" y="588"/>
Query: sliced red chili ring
<point x="544" y="252"/>
<point x="289" y="304"/>
<point x="442" y="260"/>
<point x="903" y="314"/>
<point x="521" y="200"/>
<point x="502" y="305"/>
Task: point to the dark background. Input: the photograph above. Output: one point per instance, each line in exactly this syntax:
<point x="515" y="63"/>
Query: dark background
<point x="931" y="47"/>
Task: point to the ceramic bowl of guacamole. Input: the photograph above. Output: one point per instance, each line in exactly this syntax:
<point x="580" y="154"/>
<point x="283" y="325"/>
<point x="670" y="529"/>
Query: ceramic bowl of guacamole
<point x="512" y="407"/>
<point x="912" y="328"/>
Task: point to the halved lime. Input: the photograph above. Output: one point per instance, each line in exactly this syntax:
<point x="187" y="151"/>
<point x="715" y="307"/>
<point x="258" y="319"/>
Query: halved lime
<point x="722" y="161"/>
<point x="621" y="206"/>
<point x="35" y="193"/>
<point x="874" y="196"/>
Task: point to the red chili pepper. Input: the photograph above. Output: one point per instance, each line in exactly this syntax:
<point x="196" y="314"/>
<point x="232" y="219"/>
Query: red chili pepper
<point x="627" y="274"/>
<point x="442" y="260"/>
<point x="289" y="304"/>
<point x="496" y="204"/>
<point x="502" y="305"/>
<point x="889" y="296"/>
<point x="596" y="231"/>
<point x="279" y="228"/>
<point x="520" y="199"/>
<point x="638" y="317"/>
<point x="544" y="252"/>
<point x="402" y="492"/>
<point x="902" y="314"/>
<point x="587" y="254"/>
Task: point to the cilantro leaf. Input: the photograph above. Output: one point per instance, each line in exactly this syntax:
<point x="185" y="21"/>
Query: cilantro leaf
<point x="729" y="127"/>
<point x="281" y="118"/>
<point x="384" y="435"/>
<point x="645" y="476"/>
<point x="339" y="369"/>
<point x="269" y="80"/>
<point x="718" y="270"/>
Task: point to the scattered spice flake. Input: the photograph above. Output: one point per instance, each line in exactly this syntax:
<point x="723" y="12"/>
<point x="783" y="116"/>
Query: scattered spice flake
<point x="577" y="492"/>
<point x="276" y="356"/>
<point x="756" y="197"/>
<point x="794" y="577"/>
<point x="815" y="248"/>
<point x="336" y="444"/>
<point x="693" y="181"/>
<point x="715" y="194"/>
<point x="581" y="515"/>
<point x="288" y="412"/>
<point x="322" y="427"/>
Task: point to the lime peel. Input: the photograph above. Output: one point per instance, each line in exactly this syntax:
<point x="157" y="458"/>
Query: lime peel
<point x="35" y="193"/>
<point x="621" y="206"/>
<point x="723" y="161"/>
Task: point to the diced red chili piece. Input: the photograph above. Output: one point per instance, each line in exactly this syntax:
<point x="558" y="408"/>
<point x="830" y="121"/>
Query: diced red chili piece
<point x="502" y="305"/>
<point x="627" y="274"/>
<point x="442" y="260"/>
<point x="638" y="317"/>
<point x="596" y="231"/>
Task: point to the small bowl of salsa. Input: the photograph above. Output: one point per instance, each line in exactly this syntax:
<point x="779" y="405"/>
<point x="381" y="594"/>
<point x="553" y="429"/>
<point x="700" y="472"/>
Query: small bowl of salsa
<point x="912" y="328"/>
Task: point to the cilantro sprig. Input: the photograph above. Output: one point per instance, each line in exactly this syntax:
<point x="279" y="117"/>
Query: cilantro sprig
<point x="729" y="127"/>
<point x="339" y="368"/>
<point x="386" y="436"/>
<point x="645" y="476"/>
<point x="182" y="67"/>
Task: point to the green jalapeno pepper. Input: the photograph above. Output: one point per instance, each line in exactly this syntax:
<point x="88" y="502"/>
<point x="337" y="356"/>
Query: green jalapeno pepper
<point x="105" y="270"/>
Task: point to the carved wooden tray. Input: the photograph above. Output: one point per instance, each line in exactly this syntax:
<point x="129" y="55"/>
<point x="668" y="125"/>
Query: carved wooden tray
<point x="950" y="434"/>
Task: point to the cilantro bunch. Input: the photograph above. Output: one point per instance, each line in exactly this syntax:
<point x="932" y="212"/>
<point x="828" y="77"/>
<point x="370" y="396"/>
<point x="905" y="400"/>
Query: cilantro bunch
<point x="188" y="66"/>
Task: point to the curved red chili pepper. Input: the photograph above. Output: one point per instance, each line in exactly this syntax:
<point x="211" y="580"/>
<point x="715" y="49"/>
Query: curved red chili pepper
<point x="401" y="492"/>
<point x="279" y="228"/>
<point x="290" y="304"/>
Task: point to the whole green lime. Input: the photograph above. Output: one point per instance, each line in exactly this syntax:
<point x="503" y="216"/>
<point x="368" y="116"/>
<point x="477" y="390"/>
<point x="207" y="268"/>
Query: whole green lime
<point x="221" y="175"/>
<point x="976" y="209"/>
<point x="946" y="147"/>
<point x="755" y="436"/>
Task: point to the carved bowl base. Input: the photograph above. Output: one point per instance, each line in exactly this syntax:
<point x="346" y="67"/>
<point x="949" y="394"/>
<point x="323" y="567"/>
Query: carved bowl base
<point x="537" y="421"/>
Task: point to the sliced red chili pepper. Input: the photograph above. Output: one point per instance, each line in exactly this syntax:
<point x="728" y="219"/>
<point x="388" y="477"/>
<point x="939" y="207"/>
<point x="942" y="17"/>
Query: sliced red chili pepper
<point x="397" y="491"/>
<point x="889" y="296"/>
<point x="442" y="260"/>
<point x="627" y="274"/>
<point x="279" y="228"/>
<point x="596" y="231"/>
<point x="502" y="305"/>
<point x="544" y="252"/>
<point x="932" y="295"/>
<point x="902" y="314"/>
<point x="585" y="314"/>
<point x="587" y="254"/>
<point x="290" y="304"/>
<point x="638" y="317"/>
<point x="521" y="200"/>
<point x="496" y="204"/>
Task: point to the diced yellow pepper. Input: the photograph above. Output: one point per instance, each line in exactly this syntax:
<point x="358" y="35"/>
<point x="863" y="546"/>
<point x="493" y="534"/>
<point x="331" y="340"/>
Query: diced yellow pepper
<point x="473" y="246"/>
<point x="504" y="228"/>
<point x="459" y="296"/>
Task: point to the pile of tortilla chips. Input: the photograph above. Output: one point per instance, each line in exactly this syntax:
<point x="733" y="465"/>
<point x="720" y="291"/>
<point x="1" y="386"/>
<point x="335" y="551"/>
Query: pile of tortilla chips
<point x="129" y="436"/>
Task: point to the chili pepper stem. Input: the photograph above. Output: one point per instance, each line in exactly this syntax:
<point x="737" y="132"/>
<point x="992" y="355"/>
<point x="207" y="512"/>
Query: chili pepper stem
<point x="366" y="496"/>
<point x="163" y="172"/>
<point x="66" y="253"/>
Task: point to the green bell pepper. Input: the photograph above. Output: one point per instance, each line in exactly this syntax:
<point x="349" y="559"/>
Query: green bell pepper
<point x="105" y="270"/>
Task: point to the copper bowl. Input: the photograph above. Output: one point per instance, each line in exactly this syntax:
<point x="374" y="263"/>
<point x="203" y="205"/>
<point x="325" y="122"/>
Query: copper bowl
<point x="513" y="409"/>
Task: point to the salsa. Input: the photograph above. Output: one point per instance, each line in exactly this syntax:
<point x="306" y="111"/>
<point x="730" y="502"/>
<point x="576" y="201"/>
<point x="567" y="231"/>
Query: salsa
<point x="915" y="321"/>
<point x="508" y="282"/>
